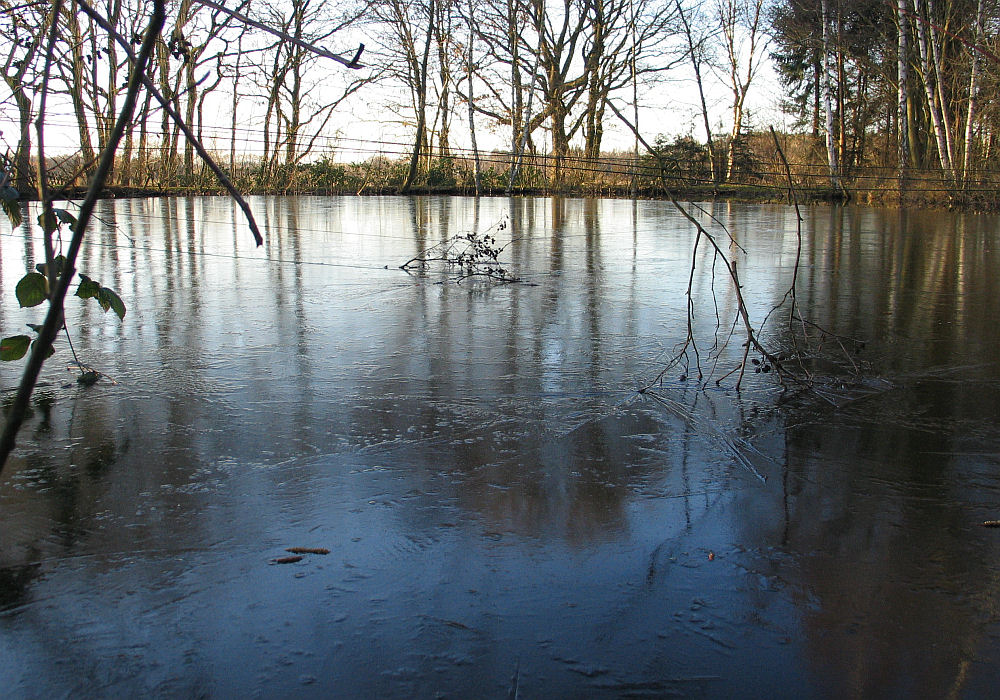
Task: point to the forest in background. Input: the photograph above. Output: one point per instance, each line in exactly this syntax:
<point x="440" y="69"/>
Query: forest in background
<point x="888" y="98"/>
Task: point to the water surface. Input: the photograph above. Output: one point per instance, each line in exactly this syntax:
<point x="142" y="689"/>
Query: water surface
<point x="504" y="513"/>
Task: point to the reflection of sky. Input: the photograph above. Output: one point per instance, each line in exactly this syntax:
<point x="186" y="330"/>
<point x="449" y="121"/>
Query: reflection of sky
<point x="491" y="490"/>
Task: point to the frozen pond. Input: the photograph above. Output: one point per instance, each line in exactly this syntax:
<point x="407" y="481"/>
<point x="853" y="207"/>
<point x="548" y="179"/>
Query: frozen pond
<point x="505" y="515"/>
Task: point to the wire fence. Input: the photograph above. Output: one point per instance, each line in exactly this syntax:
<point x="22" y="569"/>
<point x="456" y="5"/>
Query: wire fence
<point x="259" y="162"/>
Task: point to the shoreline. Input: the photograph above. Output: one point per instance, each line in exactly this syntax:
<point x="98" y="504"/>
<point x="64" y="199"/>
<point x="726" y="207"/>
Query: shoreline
<point x="762" y="194"/>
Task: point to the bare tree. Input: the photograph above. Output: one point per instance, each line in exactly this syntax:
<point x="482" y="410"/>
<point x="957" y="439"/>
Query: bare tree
<point x="24" y="28"/>
<point x="697" y="33"/>
<point x="626" y="42"/>
<point x="444" y="30"/>
<point x="561" y="80"/>
<point x="506" y="63"/>
<point x="742" y="33"/>
<point x="300" y="101"/>
<point x="404" y="34"/>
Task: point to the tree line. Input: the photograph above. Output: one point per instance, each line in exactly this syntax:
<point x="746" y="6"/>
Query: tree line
<point x="896" y="87"/>
<point x="904" y="83"/>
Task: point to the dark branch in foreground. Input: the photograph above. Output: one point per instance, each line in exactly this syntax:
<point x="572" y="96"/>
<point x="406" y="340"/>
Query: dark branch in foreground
<point x="54" y="317"/>
<point x="318" y="50"/>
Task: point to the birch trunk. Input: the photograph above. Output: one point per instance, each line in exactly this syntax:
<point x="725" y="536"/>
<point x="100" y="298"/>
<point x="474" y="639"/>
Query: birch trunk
<point x="831" y="149"/>
<point x="936" y="59"/>
<point x="970" y="116"/>
<point x="927" y="70"/>
<point x="902" y="98"/>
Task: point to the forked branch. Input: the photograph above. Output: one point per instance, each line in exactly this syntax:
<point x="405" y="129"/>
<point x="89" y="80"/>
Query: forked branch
<point x="755" y="352"/>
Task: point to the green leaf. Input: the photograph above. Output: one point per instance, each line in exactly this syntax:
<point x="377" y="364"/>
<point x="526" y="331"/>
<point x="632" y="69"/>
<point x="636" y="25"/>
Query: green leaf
<point x="48" y="221"/>
<point x="14" y="348"/>
<point x="108" y="299"/>
<point x="88" y="378"/>
<point x="65" y="217"/>
<point x="58" y="262"/>
<point x="88" y="288"/>
<point x="32" y="290"/>
<point x="11" y="206"/>
<point x="50" y="353"/>
<point x="117" y="305"/>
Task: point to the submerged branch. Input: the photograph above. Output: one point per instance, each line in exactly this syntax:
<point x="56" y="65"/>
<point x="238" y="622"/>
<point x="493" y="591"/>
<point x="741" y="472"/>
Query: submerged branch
<point x="755" y="352"/>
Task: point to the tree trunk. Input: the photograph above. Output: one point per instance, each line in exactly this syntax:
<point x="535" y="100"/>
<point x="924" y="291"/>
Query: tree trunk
<point x="166" y="88"/>
<point x="237" y="74"/>
<point x="841" y="111"/>
<point x="78" y="90"/>
<point x="443" y="35"/>
<point x="943" y="104"/>
<point x="411" y="173"/>
<point x="593" y="129"/>
<point x="142" y="162"/>
<point x="973" y="96"/>
<point x="525" y="128"/>
<point x="928" y="70"/>
<point x="293" y="123"/>
<point x="831" y="150"/>
<point x="191" y="86"/>
<point x="817" y="93"/>
<point x="902" y="97"/>
<point x="516" y="88"/>
<point x="23" y="179"/>
<point x="472" y="109"/>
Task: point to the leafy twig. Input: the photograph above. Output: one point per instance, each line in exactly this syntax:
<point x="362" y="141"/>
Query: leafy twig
<point x="474" y="254"/>
<point x="54" y="317"/>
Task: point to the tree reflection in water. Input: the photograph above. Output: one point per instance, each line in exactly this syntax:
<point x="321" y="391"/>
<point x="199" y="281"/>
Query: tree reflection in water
<point x="494" y="493"/>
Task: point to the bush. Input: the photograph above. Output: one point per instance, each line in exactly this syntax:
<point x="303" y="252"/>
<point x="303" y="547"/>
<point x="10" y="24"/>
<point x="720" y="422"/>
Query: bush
<point x="684" y="158"/>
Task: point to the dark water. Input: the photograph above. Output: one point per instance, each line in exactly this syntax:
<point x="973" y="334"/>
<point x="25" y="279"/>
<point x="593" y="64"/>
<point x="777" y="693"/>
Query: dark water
<point x="505" y="515"/>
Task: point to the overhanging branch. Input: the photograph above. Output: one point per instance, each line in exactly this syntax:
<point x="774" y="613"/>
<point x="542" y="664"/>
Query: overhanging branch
<point x="352" y="63"/>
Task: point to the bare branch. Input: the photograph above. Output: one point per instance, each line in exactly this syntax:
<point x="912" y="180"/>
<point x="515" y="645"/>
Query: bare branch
<point x="179" y="121"/>
<point x="318" y="50"/>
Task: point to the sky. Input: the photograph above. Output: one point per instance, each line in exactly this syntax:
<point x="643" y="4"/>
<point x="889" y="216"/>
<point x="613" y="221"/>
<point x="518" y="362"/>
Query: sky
<point x="365" y="124"/>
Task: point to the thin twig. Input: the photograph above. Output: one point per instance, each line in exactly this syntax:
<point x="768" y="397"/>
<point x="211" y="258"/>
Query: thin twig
<point x="741" y="307"/>
<point x="48" y="216"/>
<point x="71" y="348"/>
